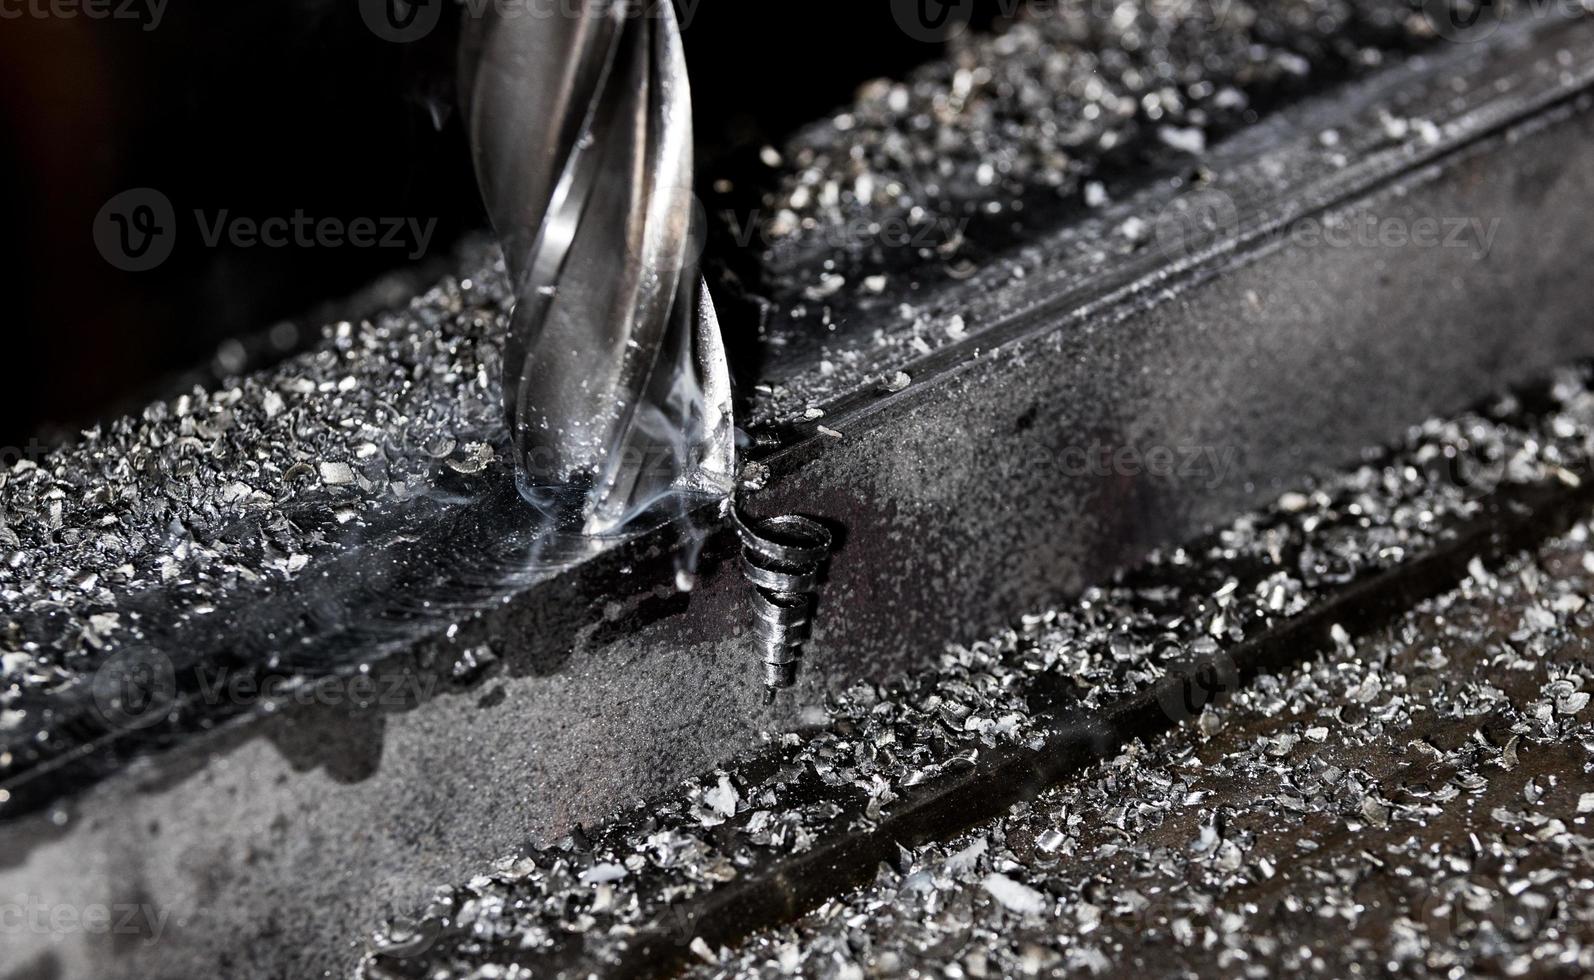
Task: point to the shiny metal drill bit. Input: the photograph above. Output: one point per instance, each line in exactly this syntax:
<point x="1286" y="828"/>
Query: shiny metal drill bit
<point x="615" y="378"/>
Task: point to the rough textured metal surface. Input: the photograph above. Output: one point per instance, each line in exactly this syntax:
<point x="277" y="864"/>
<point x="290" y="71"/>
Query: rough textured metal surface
<point x="898" y="764"/>
<point x="600" y="683"/>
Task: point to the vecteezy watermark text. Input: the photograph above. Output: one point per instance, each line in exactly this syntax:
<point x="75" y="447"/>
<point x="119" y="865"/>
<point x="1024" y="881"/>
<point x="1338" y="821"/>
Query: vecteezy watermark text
<point x="35" y="916"/>
<point x="1367" y="230"/>
<point x="34" y="451"/>
<point x="303" y="231"/>
<point x="147" y="13"/>
<point x="891" y="232"/>
<point x="357" y="690"/>
<point x="138" y="688"/>
<point x="1207" y="216"/>
<point x="137" y="230"/>
<point x="1209" y="466"/>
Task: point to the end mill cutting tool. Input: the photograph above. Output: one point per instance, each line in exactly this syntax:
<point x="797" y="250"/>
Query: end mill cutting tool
<point x="615" y="380"/>
<point x="615" y="385"/>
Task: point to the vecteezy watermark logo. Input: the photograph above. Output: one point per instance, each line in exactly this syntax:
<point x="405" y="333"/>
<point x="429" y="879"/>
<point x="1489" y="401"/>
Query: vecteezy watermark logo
<point x="1470" y="475"/>
<point x="1205" y="675"/>
<point x="134" y="689"/>
<point x="1194" y="222"/>
<point x="401" y="21"/>
<point x="933" y="21"/>
<point x="1463" y="20"/>
<point x="147" y="13"/>
<point x="136" y="229"/>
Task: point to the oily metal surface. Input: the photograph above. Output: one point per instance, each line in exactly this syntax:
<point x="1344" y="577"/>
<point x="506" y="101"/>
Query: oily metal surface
<point x="908" y="765"/>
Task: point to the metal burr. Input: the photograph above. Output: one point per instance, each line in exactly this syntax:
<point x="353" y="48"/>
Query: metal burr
<point x="615" y="380"/>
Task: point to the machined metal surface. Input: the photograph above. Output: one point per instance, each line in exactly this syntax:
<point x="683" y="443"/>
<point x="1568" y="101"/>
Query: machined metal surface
<point x="1291" y="600"/>
<point x="562" y="687"/>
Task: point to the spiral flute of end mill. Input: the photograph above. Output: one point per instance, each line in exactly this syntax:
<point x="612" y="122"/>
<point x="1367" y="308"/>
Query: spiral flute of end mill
<point x="783" y="558"/>
<point x="616" y="385"/>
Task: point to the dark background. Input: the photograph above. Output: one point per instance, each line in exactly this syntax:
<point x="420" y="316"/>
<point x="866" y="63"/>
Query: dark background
<point x="264" y="107"/>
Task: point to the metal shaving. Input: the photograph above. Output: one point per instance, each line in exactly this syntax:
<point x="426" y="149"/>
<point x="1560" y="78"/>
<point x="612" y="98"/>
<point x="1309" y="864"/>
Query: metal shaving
<point x="1419" y="807"/>
<point x="1036" y="107"/>
<point x="219" y="492"/>
<point x="1092" y="852"/>
<point x="961" y="170"/>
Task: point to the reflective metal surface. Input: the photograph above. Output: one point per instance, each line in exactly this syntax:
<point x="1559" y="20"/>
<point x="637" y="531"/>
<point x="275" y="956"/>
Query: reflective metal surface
<point x="615" y="380"/>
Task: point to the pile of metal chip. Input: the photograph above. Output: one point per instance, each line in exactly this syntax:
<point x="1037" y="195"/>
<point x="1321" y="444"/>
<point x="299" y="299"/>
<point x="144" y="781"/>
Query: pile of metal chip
<point x="1420" y="802"/>
<point x="1035" y="110"/>
<point x="876" y="227"/>
<point x="219" y="491"/>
